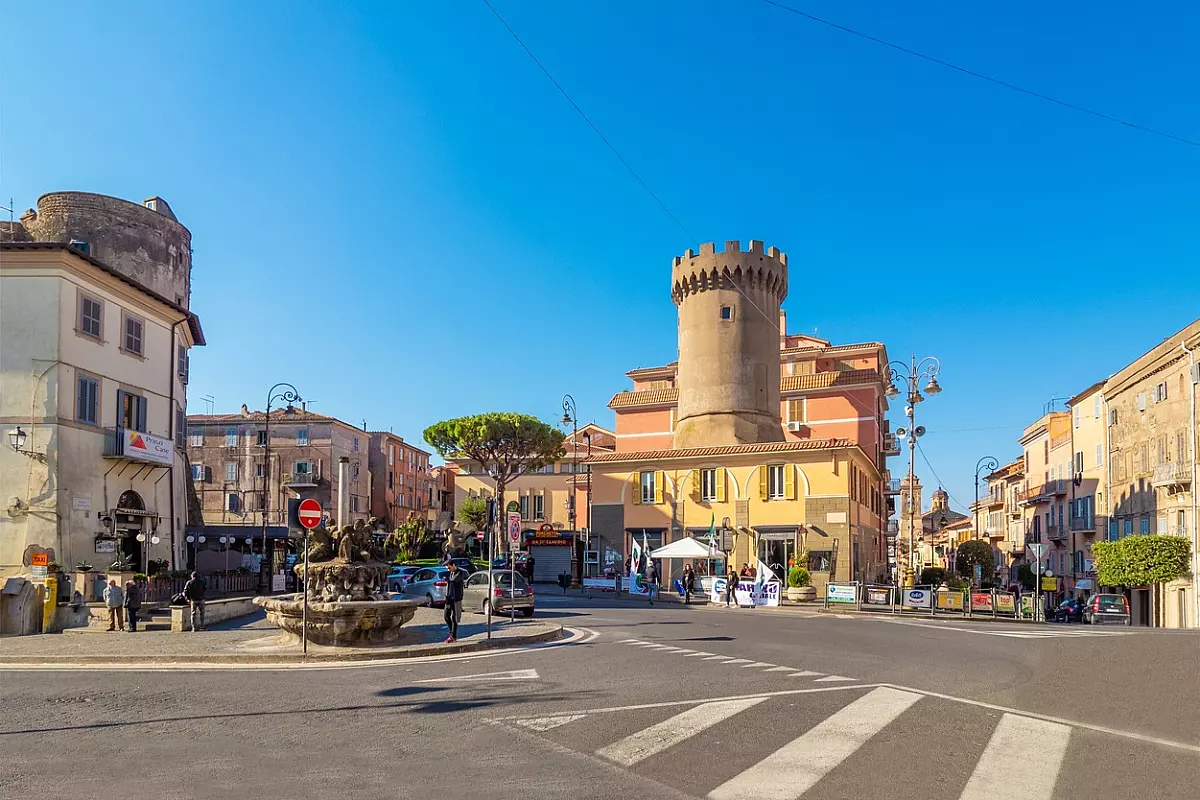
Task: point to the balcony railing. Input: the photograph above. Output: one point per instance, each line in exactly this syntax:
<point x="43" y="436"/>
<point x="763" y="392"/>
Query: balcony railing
<point x="1055" y="532"/>
<point x="1083" y="524"/>
<point x="892" y="487"/>
<point x="1172" y="473"/>
<point x="301" y="479"/>
<point x="1045" y="491"/>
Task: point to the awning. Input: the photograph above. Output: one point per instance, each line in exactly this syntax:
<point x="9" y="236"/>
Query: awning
<point x="687" y="547"/>
<point x="238" y="531"/>
<point x="1085" y="585"/>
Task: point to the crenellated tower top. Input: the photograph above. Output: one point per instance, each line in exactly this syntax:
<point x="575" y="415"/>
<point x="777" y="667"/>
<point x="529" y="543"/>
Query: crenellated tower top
<point x="753" y="270"/>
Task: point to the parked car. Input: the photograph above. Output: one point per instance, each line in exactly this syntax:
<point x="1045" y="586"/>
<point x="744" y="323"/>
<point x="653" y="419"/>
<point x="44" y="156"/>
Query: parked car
<point x="465" y="564"/>
<point x="399" y="577"/>
<point x="506" y="591"/>
<point x="428" y="584"/>
<point x="1106" y="609"/>
<point x="1069" y="610"/>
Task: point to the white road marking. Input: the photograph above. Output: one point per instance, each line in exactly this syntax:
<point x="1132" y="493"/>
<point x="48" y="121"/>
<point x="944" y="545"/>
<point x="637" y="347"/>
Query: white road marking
<point x="796" y="767"/>
<point x="723" y="658"/>
<point x="543" y="724"/>
<point x="832" y="679"/>
<point x="733" y="661"/>
<point x="1031" y="633"/>
<point x="778" y="669"/>
<point x="670" y="732"/>
<point x="757" y="664"/>
<point x="629" y="641"/>
<point x="695" y="653"/>
<point x="1022" y="759"/>
<point x="804" y="673"/>
<point x="510" y="675"/>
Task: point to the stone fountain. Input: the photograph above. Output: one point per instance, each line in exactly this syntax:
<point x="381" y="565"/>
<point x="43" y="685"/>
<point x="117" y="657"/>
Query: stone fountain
<point x="348" y="603"/>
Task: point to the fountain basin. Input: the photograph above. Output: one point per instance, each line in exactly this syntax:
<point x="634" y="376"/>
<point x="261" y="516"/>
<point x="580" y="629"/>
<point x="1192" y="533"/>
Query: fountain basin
<point x="346" y="623"/>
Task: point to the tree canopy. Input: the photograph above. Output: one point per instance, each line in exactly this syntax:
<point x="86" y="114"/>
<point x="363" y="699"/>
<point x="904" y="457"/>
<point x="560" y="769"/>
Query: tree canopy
<point x="509" y="444"/>
<point x="1142" y="560"/>
<point x="473" y="511"/>
<point x="972" y="552"/>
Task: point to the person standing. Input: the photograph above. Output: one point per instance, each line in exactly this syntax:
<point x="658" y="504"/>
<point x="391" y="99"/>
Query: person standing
<point x="133" y="604"/>
<point x="651" y="579"/>
<point x="529" y="567"/>
<point x="689" y="583"/>
<point x="454" y="598"/>
<point x="193" y="592"/>
<point x="114" y="601"/>
<point x="731" y="582"/>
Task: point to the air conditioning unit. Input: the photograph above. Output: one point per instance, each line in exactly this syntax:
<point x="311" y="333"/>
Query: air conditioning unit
<point x="794" y="426"/>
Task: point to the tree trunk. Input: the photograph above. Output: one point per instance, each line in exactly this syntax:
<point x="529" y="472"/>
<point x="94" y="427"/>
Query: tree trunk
<point x="501" y="523"/>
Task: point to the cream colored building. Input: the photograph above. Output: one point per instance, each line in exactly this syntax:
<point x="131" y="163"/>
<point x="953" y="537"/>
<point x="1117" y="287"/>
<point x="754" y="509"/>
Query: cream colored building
<point x="93" y="372"/>
<point x="1087" y="519"/>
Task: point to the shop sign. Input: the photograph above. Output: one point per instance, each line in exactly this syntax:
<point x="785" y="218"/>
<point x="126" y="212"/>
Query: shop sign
<point x="918" y="598"/>
<point x="839" y="593"/>
<point x="878" y="597"/>
<point x="951" y="601"/>
<point x="1049" y="584"/>
<point x="548" y="538"/>
<point x="981" y="601"/>
<point x="1005" y="604"/>
<point x="106" y="545"/>
<point x="1027" y="605"/>
<point x="40" y="573"/>
<point x="146" y="447"/>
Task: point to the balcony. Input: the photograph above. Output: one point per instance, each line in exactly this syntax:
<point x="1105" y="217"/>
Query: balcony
<point x="1172" y="474"/>
<point x="892" y="487"/>
<point x="891" y="445"/>
<point x="994" y="501"/>
<point x="301" y="480"/>
<point x="1011" y="547"/>
<point x="1084" y="524"/>
<point x="1039" y="494"/>
<point x="1056" y="532"/>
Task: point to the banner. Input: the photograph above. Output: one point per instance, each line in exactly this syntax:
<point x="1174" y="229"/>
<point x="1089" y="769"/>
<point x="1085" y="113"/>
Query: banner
<point x="981" y="601"/>
<point x="1027" y="605"/>
<point x="1005" y="603"/>
<point x="878" y="597"/>
<point x="918" y="598"/>
<point x="747" y="593"/>
<point x="637" y="585"/>
<point x="841" y="594"/>
<point x="600" y="584"/>
<point x="951" y="601"/>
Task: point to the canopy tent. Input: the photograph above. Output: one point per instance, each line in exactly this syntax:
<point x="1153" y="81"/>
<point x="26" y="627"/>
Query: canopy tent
<point x="687" y="547"/>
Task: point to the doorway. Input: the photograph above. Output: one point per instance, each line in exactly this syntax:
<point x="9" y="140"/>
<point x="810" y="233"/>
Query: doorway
<point x="775" y="553"/>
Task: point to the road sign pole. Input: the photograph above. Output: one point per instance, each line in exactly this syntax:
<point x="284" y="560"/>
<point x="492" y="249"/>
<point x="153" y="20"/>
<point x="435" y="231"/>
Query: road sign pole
<point x="309" y="513"/>
<point x="304" y="618"/>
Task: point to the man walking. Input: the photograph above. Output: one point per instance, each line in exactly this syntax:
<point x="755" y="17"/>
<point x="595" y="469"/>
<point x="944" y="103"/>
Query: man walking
<point x="731" y="582"/>
<point x="454" y="597"/>
<point x="193" y="592"/>
<point x="133" y="604"/>
<point x="689" y="583"/>
<point x="114" y="600"/>
<point x="651" y="579"/>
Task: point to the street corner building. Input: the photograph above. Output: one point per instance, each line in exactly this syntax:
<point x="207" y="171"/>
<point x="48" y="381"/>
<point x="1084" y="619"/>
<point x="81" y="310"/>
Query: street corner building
<point x="773" y="444"/>
<point x="97" y="331"/>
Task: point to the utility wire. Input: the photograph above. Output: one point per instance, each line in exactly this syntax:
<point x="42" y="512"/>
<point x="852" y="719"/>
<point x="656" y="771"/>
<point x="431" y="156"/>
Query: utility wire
<point x="1014" y="87"/>
<point x="925" y="458"/>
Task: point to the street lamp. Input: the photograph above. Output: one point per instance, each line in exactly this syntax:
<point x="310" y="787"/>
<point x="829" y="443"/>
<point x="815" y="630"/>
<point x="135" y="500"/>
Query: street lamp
<point x="912" y="374"/>
<point x="571" y="417"/>
<point x="990" y="464"/>
<point x="587" y="437"/>
<point x="288" y="394"/>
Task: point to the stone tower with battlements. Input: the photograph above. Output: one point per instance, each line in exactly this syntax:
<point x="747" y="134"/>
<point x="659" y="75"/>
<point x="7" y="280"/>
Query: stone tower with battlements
<point x="729" y="371"/>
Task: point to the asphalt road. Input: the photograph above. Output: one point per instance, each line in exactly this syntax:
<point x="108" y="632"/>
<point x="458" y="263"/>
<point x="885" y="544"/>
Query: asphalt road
<point x="662" y="702"/>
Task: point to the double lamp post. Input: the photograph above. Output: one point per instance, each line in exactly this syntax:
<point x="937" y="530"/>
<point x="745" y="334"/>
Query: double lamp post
<point x="911" y="375"/>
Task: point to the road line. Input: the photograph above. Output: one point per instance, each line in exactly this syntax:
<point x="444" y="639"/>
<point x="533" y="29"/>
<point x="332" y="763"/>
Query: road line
<point x="673" y="731"/>
<point x="674" y="650"/>
<point x="695" y="653"/>
<point x="1028" y="634"/>
<point x="1023" y="756"/>
<point x="778" y="669"/>
<point x="733" y="661"/>
<point x="630" y="641"/>
<point x="833" y="679"/>
<point x="796" y="767"/>
<point x="756" y="664"/>
<point x="804" y="673"/>
<point x="723" y="658"/>
<point x="543" y="724"/>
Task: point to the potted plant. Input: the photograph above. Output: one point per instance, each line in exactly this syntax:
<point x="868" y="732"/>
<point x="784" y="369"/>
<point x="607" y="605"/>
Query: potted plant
<point x="800" y="589"/>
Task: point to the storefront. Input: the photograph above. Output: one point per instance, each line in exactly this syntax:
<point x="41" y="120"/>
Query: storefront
<point x="551" y="551"/>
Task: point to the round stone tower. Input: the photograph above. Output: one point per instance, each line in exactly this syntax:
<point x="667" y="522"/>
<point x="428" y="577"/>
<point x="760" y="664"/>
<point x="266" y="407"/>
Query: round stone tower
<point x="729" y="344"/>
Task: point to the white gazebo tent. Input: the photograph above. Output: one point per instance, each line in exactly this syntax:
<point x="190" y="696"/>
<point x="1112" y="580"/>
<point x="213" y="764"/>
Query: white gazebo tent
<point x="687" y="547"/>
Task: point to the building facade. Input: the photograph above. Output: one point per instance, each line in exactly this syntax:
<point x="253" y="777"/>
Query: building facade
<point x="440" y="515"/>
<point x="777" y="441"/>
<point x="401" y="479"/>
<point x="93" y="384"/>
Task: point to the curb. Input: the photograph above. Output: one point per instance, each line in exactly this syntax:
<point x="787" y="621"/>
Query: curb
<point x="948" y="616"/>
<point x="345" y="654"/>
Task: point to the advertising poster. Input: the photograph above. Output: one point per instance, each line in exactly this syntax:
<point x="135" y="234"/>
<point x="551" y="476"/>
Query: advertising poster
<point x="1027" y="605"/>
<point x="840" y="594"/>
<point x="878" y="597"/>
<point x="1005" y="604"/>
<point x="981" y="601"/>
<point x="747" y="593"/>
<point x="600" y="584"/>
<point x="918" y="598"/>
<point x="951" y="601"/>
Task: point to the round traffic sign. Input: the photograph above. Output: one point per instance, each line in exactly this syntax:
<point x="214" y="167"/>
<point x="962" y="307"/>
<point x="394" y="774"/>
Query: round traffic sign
<point x="309" y="513"/>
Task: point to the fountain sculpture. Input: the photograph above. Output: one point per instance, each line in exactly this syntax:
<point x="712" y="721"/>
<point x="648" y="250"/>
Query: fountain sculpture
<point x="348" y="602"/>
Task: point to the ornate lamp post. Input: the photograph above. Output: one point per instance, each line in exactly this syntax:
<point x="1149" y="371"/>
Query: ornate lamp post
<point x="911" y="375"/>
<point x="571" y="417"/>
<point x="990" y="464"/>
<point x="587" y="437"/>
<point x="288" y="394"/>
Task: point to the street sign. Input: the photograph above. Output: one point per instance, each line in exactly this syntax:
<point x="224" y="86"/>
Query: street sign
<point x="309" y="513"/>
<point x="39" y="560"/>
<point x="514" y="528"/>
<point x="512" y="507"/>
<point x="1038" y="550"/>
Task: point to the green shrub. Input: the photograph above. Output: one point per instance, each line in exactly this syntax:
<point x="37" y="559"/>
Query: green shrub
<point x="932" y="576"/>
<point x="798" y="577"/>
<point x="1142" y="560"/>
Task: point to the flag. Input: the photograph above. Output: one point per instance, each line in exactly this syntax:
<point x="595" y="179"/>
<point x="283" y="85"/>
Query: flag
<point x="635" y="558"/>
<point x="645" y="548"/>
<point x="712" y="527"/>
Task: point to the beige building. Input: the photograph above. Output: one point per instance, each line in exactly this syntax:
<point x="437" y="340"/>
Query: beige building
<point x="1001" y="516"/>
<point x="93" y="381"/>
<point x="1088" y="493"/>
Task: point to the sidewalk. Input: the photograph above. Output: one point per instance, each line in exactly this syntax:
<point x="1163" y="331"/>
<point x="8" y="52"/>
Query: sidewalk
<point x="252" y="640"/>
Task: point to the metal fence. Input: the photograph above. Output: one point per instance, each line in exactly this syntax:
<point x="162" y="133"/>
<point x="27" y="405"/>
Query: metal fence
<point x="163" y="589"/>
<point x="931" y="601"/>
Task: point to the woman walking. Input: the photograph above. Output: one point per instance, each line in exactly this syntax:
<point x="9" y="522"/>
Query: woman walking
<point x="731" y="582"/>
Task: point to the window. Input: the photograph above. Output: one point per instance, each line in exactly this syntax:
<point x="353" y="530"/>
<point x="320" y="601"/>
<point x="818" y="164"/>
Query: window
<point x="1112" y="530"/>
<point x="1145" y="526"/>
<point x="649" y="488"/>
<point x="391" y="454"/>
<point x="182" y="362"/>
<point x="131" y="411"/>
<point x="196" y="437"/>
<point x="180" y="422"/>
<point x="391" y="480"/>
<point x="231" y="471"/>
<point x="1128" y="527"/>
<point x="1075" y="415"/>
<point x="1079" y="462"/>
<point x="539" y="506"/>
<point x="777" y="482"/>
<point x="820" y="561"/>
<point x="1160" y="392"/>
<point x="1099" y="455"/>
<point x="1162" y="525"/>
<point x="198" y="472"/>
<point x="1096" y="407"/>
<point x="302" y="468"/>
<point x="353" y="504"/>
<point x="797" y="410"/>
<point x="88" y="394"/>
<point x="708" y="485"/>
<point x="302" y="437"/>
<point x="233" y="502"/>
<point x="525" y="507"/>
<point x="726" y="312"/>
<point x="131" y="340"/>
<point x="231" y="437"/>
<point x="260" y="470"/>
<point x="1181" y="447"/>
<point x="567" y="466"/>
<point x="261" y="438"/>
<point x="91" y="317"/>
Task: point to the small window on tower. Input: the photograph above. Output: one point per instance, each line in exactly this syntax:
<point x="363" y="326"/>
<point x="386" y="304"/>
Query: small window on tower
<point x="726" y="312"/>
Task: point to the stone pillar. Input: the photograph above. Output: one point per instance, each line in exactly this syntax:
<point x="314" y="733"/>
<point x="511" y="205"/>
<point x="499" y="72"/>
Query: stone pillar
<point x="341" y="493"/>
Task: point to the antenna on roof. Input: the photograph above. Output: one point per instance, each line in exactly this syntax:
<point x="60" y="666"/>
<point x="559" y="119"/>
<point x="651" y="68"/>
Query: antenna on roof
<point x="209" y="403"/>
<point x="9" y="209"/>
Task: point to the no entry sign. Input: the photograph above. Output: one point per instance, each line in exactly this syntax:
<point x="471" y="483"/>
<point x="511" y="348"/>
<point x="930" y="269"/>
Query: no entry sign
<point x="309" y="513"/>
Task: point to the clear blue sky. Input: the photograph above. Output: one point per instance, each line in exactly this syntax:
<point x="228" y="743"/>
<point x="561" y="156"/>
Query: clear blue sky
<point x="393" y="209"/>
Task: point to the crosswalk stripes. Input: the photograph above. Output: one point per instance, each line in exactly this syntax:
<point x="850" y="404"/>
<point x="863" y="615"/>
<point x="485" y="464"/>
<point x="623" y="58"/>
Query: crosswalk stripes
<point x="671" y="732"/>
<point x="734" y="661"/>
<point x="796" y="767"/>
<point x="1024" y="756"/>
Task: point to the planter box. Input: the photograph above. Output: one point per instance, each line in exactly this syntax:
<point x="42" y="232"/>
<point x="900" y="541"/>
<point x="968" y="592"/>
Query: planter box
<point x="801" y="594"/>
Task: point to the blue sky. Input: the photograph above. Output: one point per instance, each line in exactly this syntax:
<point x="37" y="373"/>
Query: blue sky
<point x="393" y="209"/>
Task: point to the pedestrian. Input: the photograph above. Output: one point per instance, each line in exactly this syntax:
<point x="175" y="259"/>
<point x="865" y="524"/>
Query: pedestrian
<point x="745" y="573"/>
<point x="731" y="582"/>
<point x="651" y="579"/>
<point x="133" y="604"/>
<point x="529" y="567"/>
<point x="114" y="600"/>
<point x="454" y="598"/>
<point x="193" y="592"/>
<point x="689" y="583"/>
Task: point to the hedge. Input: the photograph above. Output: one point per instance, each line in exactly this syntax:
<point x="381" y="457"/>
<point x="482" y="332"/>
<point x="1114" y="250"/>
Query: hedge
<point x="1142" y="560"/>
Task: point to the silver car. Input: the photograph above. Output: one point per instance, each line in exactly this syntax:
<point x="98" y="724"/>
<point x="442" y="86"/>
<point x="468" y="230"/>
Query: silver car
<point x="506" y="592"/>
<point x="399" y="577"/>
<point x="428" y="584"/>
